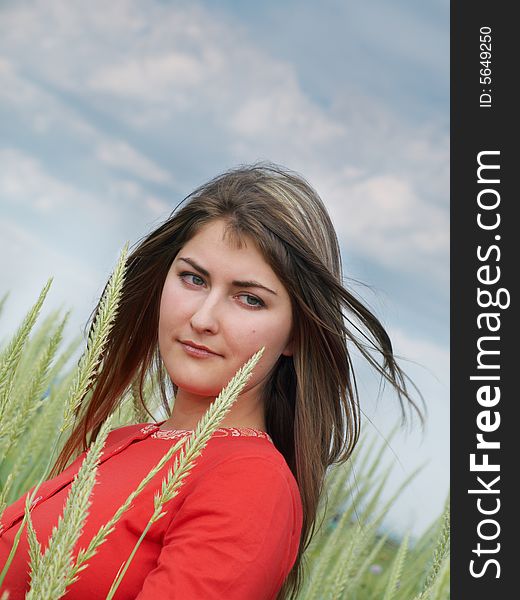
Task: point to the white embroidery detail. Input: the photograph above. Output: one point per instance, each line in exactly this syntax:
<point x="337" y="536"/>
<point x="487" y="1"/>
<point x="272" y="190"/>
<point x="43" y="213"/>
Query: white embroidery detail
<point x="148" y="428"/>
<point x="171" y="434"/>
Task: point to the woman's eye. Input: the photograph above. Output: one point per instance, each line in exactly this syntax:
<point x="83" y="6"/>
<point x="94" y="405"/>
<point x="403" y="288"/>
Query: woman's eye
<point x="258" y="303"/>
<point x="183" y="275"/>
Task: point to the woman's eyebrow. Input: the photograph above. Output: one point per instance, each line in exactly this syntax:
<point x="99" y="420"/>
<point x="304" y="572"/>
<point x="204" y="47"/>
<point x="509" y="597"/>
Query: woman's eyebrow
<point x="244" y="284"/>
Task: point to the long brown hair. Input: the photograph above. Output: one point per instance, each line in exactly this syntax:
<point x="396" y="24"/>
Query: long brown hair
<point x="311" y="400"/>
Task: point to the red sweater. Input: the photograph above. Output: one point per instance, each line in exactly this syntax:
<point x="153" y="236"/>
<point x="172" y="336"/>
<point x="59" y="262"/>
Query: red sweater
<point x="232" y="531"/>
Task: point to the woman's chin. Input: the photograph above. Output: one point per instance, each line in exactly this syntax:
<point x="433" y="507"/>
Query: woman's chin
<point x="185" y="386"/>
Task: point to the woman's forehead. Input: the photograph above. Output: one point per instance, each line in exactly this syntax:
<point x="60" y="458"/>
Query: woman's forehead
<point x="215" y="239"/>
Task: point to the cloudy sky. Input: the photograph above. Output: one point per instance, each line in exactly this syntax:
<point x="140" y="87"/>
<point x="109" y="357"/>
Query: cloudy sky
<point x="112" y="112"/>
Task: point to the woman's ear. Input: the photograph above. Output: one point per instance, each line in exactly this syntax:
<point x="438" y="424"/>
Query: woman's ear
<point x="288" y="350"/>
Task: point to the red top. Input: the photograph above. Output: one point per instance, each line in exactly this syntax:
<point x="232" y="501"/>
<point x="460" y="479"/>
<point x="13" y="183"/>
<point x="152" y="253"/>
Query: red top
<point x="232" y="531"/>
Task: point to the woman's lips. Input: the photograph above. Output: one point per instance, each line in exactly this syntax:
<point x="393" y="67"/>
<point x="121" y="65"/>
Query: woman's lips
<point x="197" y="352"/>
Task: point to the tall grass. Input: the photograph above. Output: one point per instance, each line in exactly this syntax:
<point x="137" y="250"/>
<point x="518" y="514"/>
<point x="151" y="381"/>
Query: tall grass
<point x="349" y="557"/>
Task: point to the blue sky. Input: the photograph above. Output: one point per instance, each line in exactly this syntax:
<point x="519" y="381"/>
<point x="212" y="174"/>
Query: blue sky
<point x="110" y="113"/>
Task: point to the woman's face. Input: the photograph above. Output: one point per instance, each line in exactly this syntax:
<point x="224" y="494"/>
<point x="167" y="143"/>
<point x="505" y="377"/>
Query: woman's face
<point x="204" y="301"/>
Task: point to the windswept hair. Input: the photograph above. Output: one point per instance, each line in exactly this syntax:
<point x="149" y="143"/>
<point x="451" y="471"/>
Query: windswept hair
<point x="311" y="399"/>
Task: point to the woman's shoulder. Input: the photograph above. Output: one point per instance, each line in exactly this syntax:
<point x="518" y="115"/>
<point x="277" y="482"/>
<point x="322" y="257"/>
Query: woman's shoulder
<point x="245" y="478"/>
<point x="120" y="433"/>
<point x="245" y="460"/>
<point x="231" y="444"/>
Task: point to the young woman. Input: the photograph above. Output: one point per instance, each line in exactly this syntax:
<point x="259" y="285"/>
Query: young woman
<point x="249" y="259"/>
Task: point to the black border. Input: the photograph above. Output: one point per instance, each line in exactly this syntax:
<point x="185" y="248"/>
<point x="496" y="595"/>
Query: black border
<point x="474" y="129"/>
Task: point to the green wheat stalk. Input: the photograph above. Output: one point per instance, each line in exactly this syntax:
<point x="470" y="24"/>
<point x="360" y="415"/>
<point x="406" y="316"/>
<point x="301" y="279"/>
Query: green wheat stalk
<point x="85" y="554"/>
<point x="397" y="569"/>
<point x="441" y="586"/>
<point x="49" y="571"/>
<point x="10" y="358"/>
<point x="91" y="359"/>
<point x="329" y="573"/>
<point x="35" y="549"/>
<point x="32" y="457"/>
<point x="355" y="575"/>
<point x="16" y="540"/>
<point x="30" y="396"/>
<point x="350" y="568"/>
<point x="337" y="586"/>
<point x="3" y="300"/>
<point x="5" y="491"/>
<point x="440" y="555"/>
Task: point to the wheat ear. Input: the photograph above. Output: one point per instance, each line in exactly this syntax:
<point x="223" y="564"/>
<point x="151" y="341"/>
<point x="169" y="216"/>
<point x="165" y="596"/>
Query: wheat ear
<point x="49" y="571"/>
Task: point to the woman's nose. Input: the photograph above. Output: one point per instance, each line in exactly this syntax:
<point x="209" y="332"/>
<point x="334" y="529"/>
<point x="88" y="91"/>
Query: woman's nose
<point x="204" y="319"/>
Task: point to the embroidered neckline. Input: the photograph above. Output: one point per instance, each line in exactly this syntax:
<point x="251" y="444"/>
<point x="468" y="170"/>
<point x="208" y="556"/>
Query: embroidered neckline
<point x="171" y="434"/>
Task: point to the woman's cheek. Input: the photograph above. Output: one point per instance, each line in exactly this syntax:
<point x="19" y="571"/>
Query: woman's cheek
<point x="253" y="337"/>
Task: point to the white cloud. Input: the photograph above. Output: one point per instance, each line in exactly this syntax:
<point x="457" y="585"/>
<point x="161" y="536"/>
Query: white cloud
<point x="121" y="155"/>
<point x="385" y="218"/>
<point x="24" y="180"/>
<point x="157" y="75"/>
<point x="165" y="60"/>
<point x="24" y="251"/>
<point x="157" y="206"/>
<point x="40" y="108"/>
<point x="283" y="111"/>
<point x="128" y="192"/>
